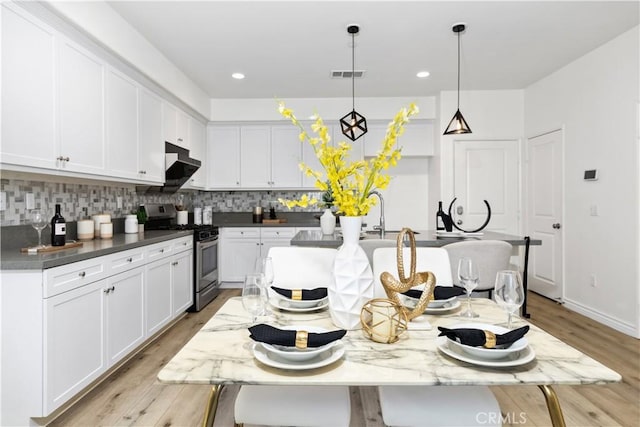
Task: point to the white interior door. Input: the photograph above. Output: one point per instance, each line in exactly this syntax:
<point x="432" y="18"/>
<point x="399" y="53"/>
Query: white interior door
<point x="545" y="194"/>
<point x="487" y="170"/>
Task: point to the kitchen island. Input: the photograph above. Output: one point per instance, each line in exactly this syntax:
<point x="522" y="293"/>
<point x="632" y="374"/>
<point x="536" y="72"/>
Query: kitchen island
<point x="428" y="238"/>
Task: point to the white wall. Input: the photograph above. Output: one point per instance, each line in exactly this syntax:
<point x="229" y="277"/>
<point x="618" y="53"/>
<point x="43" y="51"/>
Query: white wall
<point x="229" y="110"/>
<point x="491" y="115"/>
<point x="99" y="20"/>
<point x="596" y="99"/>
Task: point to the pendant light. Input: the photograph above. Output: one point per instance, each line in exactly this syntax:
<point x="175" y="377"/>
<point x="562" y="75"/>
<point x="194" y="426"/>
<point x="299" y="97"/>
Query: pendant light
<point x="458" y="124"/>
<point x="353" y="124"/>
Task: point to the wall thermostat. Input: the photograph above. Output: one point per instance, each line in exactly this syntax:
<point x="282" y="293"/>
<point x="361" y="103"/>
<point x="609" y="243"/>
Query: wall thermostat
<point x="591" y="175"/>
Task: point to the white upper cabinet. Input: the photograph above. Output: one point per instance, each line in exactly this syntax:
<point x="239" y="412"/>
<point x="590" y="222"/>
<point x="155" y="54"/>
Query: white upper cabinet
<point x="223" y="156"/>
<point x="286" y="154"/>
<point x="81" y="115"/>
<point x="175" y="125"/>
<point x="255" y="155"/>
<point x="197" y="138"/>
<point x="122" y="125"/>
<point x="416" y="141"/>
<point x="28" y="90"/>
<point x="150" y="144"/>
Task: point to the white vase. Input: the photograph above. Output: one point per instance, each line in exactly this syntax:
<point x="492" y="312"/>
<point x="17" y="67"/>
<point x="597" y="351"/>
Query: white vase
<point x="353" y="284"/>
<point x="327" y="222"/>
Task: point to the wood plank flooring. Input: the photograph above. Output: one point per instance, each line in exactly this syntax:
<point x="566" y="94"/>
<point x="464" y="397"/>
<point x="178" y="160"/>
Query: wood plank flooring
<point x="133" y="397"/>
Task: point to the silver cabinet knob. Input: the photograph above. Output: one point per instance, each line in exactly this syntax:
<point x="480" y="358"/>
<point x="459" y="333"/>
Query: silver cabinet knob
<point x="556" y="225"/>
<point x="459" y="222"/>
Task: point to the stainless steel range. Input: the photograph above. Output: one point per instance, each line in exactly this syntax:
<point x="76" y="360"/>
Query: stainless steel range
<point x="205" y="243"/>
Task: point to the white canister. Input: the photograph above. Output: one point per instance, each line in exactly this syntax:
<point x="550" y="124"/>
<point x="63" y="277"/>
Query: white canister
<point x="130" y="224"/>
<point x="197" y="216"/>
<point x="99" y="219"/>
<point x="182" y="217"/>
<point x="85" y="229"/>
<point x="106" y="230"/>
<point x="207" y="215"/>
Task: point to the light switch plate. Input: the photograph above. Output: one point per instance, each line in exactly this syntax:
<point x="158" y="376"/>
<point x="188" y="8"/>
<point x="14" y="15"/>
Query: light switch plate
<point x="29" y="201"/>
<point x="3" y="201"/>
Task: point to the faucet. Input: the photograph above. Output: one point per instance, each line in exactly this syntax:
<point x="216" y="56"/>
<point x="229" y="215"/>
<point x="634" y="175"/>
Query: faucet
<point x="381" y="226"/>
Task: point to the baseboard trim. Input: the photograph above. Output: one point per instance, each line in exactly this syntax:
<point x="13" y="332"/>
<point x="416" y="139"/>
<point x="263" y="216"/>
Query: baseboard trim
<point x="617" y="324"/>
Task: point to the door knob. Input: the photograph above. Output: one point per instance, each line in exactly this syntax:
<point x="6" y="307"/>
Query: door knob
<point x="459" y="222"/>
<point x="556" y="225"/>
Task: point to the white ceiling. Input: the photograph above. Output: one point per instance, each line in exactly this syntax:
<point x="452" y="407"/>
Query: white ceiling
<point x="287" y="49"/>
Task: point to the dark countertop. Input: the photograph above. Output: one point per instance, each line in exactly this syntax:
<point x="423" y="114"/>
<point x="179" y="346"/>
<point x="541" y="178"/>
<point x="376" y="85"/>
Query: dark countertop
<point x="13" y="259"/>
<point x="245" y="219"/>
<point x="423" y="238"/>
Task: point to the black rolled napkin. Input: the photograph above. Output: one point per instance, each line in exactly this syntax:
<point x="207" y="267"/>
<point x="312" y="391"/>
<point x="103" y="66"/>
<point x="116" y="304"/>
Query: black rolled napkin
<point x="272" y="335"/>
<point x="307" y="294"/>
<point x="477" y="338"/>
<point x="439" y="292"/>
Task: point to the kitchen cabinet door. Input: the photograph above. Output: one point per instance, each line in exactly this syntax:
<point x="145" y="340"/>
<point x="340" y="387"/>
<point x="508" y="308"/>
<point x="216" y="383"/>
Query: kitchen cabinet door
<point x="275" y="237"/>
<point x="255" y="156"/>
<point x="169" y="117"/>
<point x="150" y="143"/>
<point x="81" y="115"/>
<point x="181" y="282"/>
<point x="183" y="139"/>
<point x="197" y="139"/>
<point x="125" y="313"/>
<point x="28" y="90"/>
<point x="74" y="353"/>
<point x="286" y="154"/>
<point x="223" y="157"/>
<point x="122" y="125"/>
<point x="239" y="249"/>
<point x="157" y="295"/>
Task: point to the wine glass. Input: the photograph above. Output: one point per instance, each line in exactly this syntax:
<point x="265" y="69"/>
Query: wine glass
<point x="468" y="275"/>
<point x="39" y="221"/>
<point x="252" y="295"/>
<point x="508" y="292"/>
<point x="264" y="266"/>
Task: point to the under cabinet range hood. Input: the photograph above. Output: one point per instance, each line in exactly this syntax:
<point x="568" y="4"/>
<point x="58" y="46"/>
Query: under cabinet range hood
<point x="178" y="169"/>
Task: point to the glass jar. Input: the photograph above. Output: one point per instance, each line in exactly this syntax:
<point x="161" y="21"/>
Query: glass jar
<point x="130" y="224"/>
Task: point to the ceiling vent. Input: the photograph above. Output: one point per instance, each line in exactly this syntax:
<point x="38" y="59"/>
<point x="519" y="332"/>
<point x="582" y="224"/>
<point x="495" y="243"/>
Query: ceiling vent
<point x="346" y="74"/>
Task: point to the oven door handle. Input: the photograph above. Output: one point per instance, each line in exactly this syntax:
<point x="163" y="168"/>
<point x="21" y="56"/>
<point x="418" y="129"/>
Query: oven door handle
<point x="204" y="244"/>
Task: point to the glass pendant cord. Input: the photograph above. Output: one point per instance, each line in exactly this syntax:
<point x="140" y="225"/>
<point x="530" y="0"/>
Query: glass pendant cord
<point x="458" y="107"/>
<point x="353" y="71"/>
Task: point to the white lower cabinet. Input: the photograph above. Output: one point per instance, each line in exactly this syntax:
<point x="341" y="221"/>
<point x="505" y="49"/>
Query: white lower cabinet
<point x="62" y="328"/>
<point x="240" y="247"/>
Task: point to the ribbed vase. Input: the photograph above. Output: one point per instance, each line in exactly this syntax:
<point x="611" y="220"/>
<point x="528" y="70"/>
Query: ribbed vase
<point x="353" y="284"/>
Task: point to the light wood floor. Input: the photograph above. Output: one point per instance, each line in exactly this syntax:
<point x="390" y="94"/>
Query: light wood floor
<point x="133" y="397"/>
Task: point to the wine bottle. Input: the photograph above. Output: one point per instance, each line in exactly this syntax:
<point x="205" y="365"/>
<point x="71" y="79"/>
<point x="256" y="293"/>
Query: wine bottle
<point x="440" y="218"/>
<point x="58" y="229"/>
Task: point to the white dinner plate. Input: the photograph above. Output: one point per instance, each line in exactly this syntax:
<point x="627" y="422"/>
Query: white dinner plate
<point x="300" y="303"/>
<point x="488" y="353"/>
<point x="297" y="354"/>
<point x="514" y="359"/>
<point x="283" y="304"/>
<point x="436" y="303"/>
<point x="444" y="309"/>
<point x="323" y="359"/>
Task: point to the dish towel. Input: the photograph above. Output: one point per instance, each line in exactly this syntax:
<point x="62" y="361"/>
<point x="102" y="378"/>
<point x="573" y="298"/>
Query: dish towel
<point x="439" y="292"/>
<point x="484" y="338"/>
<point x="302" y="294"/>
<point x="272" y="335"/>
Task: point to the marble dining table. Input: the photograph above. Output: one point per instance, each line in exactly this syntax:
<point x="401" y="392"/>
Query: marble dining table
<point x="222" y="353"/>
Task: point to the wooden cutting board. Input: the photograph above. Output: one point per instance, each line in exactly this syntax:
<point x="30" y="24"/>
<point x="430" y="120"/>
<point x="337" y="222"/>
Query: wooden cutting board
<point x="49" y="248"/>
<point x="274" y="221"/>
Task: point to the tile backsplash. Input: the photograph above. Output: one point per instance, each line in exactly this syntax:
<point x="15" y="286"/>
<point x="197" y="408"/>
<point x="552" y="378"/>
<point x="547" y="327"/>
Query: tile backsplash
<point x="79" y="201"/>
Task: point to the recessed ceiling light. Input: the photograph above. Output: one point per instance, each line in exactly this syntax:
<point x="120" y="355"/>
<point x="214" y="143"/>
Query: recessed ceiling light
<point x="238" y="76"/>
<point x="422" y="74"/>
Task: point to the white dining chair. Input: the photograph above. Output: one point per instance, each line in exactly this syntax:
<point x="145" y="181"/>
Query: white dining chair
<point x="441" y="406"/>
<point x="296" y="267"/>
<point x="490" y="256"/>
<point x="370" y="245"/>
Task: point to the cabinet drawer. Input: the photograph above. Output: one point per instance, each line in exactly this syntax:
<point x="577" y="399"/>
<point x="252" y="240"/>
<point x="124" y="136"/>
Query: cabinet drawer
<point x="240" y="232"/>
<point x="186" y="243"/>
<point x="125" y="260"/>
<point x="159" y="250"/>
<point x="64" y="278"/>
<point x="278" y="233"/>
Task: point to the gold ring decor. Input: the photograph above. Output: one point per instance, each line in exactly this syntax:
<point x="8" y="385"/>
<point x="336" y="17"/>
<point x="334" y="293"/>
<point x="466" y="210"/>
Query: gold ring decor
<point x="296" y="294"/>
<point x="490" y="339"/>
<point x="301" y="339"/>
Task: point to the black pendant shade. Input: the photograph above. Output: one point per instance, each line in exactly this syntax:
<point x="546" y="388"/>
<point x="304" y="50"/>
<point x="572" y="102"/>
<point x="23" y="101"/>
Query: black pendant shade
<point x="353" y="124"/>
<point x="458" y="124"/>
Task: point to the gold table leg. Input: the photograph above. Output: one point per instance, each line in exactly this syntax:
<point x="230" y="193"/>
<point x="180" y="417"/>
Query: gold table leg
<point x="553" y="405"/>
<point x="212" y="405"/>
